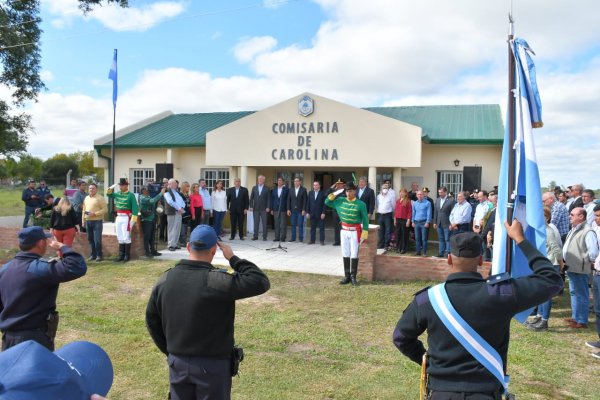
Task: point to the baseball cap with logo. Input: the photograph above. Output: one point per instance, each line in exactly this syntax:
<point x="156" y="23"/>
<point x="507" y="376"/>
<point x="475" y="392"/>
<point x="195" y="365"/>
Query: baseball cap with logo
<point x="29" y="371"/>
<point x="203" y="237"/>
<point x="467" y="244"/>
<point x="32" y="234"/>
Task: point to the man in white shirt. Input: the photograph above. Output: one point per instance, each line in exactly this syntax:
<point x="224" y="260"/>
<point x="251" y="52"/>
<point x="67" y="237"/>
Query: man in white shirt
<point x="385" y="209"/>
<point x="460" y="216"/>
<point x="174" y="208"/>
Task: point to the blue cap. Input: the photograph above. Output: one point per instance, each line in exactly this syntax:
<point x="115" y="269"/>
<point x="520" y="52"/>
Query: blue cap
<point x="30" y="371"/>
<point x="32" y="234"/>
<point x="203" y="237"/>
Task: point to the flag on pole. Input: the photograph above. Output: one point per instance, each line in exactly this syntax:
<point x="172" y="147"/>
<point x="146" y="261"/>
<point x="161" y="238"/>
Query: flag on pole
<point x="527" y="195"/>
<point x="112" y="74"/>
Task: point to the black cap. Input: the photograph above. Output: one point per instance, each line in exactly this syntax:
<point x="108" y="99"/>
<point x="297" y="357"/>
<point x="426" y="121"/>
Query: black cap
<point x="467" y="244"/>
<point x="123" y="181"/>
<point x="350" y="186"/>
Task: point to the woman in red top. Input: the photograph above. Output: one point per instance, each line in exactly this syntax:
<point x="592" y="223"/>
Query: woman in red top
<point x="402" y="217"/>
<point x="196" y="206"/>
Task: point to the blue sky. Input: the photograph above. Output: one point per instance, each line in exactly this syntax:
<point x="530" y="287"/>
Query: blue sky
<point x="202" y="56"/>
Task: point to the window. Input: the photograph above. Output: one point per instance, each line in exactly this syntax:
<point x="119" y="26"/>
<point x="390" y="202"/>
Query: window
<point x="289" y="176"/>
<point x="213" y="175"/>
<point x="140" y="176"/>
<point x="452" y="180"/>
<point x="382" y="177"/>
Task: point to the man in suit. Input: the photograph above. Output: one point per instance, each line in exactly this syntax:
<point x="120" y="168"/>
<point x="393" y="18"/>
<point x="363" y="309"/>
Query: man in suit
<point x="237" y="203"/>
<point x="279" y="204"/>
<point x="576" y="200"/>
<point x="366" y="195"/>
<point x="315" y="207"/>
<point x="297" y="208"/>
<point x="441" y="220"/>
<point x="260" y="205"/>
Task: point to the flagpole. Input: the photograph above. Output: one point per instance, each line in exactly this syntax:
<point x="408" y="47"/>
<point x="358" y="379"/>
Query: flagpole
<point x="112" y="144"/>
<point x="511" y="120"/>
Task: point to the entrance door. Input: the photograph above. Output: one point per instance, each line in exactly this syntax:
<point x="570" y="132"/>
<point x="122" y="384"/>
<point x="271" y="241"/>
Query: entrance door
<point x="327" y="179"/>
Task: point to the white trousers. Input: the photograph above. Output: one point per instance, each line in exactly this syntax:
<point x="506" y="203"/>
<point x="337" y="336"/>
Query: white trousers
<point x="121" y="225"/>
<point x="349" y="242"/>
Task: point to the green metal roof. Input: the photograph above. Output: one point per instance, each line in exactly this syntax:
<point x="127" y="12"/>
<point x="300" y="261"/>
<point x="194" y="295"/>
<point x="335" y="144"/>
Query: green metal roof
<point x="455" y="124"/>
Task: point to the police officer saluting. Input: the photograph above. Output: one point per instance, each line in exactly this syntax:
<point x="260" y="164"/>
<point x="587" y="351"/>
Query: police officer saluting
<point x="191" y="312"/>
<point x="29" y="286"/>
<point x="455" y="370"/>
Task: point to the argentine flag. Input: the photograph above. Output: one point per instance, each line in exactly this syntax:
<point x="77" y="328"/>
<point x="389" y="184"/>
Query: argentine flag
<point x="112" y="75"/>
<point x="528" y="208"/>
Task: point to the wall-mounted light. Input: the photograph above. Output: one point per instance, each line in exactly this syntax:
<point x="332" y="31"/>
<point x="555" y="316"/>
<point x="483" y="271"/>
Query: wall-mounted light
<point x="139" y="161"/>
<point x="456" y="162"/>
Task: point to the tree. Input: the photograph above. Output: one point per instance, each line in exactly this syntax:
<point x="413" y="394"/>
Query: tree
<point x="551" y="186"/>
<point x="85" y="160"/>
<point x="28" y="167"/>
<point x="20" y="60"/>
<point x="57" y="167"/>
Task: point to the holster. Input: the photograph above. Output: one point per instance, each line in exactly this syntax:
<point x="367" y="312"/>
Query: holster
<point x="52" y="325"/>
<point x="237" y="355"/>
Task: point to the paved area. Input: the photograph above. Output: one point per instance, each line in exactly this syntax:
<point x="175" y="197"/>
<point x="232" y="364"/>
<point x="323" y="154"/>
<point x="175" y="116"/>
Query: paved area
<point x="297" y="257"/>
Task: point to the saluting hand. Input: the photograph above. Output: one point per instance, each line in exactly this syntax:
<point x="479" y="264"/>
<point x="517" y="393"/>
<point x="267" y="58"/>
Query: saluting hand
<point x="226" y="249"/>
<point x="55" y="244"/>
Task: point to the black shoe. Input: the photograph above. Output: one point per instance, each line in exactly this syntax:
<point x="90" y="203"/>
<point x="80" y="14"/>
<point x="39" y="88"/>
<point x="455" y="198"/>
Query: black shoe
<point x="353" y="280"/>
<point x="91" y="258"/>
<point x="276" y="240"/>
<point x="264" y="239"/>
<point x="172" y="248"/>
<point x="345" y="281"/>
<point x="311" y="242"/>
<point x="242" y="238"/>
<point x="336" y="244"/>
<point x="231" y="237"/>
<point x="156" y="253"/>
<point x="99" y="259"/>
<point x="254" y="238"/>
<point x="402" y="251"/>
<point x="292" y="240"/>
<point x="322" y="243"/>
<point x="418" y="253"/>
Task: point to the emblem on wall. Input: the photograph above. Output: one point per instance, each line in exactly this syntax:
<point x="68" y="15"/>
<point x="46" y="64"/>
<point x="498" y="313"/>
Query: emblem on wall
<point x="306" y="106"/>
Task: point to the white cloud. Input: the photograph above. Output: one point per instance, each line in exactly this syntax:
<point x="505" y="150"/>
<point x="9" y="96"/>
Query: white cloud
<point x="248" y="48"/>
<point x="114" y="17"/>
<point x="379" y="53"/>
<point x="47" y="76"/>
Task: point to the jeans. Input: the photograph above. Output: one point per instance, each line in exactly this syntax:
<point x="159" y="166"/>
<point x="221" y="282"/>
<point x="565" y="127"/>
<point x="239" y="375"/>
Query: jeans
<point x="544" y="308"/>
<point x="444" y="240"/>
<point x="421" y="235"/>
<point x="94" y="235"/>
<point x="218" y="221"/>
<point x="29" y="211"/>
<point x="596" y="294"/>
<point x="297" y="220"/>
<point x="385" y="229"/>
<point x="580" y="296"/>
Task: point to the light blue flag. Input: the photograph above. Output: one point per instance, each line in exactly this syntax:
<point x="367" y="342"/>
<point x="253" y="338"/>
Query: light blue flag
<point x="527" y="194"/>
<point x="112" y="74"/>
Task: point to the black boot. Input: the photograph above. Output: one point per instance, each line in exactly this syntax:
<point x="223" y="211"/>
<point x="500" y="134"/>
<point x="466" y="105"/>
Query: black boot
<point x="127" y="252"/>
<point x="354" y="271"/>
<point x="346" y="279"/>
<point x="121" y="252"/>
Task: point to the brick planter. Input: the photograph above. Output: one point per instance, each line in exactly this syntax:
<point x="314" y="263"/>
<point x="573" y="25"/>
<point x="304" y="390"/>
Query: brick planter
<point x="110" y="246"/>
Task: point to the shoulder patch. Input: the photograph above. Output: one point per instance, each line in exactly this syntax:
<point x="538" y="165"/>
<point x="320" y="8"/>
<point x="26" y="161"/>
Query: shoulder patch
<point x="220" y="279"/>
<point x="422" y="290"/>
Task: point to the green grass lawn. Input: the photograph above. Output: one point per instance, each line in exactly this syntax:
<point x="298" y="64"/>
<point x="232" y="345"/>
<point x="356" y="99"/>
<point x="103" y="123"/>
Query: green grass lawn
<point x="10" y="201"/>
<point x="307" y="338"/>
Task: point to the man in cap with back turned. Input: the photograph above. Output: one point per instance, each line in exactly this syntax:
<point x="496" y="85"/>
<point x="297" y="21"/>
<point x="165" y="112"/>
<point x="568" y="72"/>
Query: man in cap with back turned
<point x="191" y="312"/>
<point x="354" y="228"/>
<point x="482" y="308"/>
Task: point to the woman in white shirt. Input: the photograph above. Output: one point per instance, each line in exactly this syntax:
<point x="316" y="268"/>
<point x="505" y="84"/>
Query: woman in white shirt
<point x="219" y="207"/>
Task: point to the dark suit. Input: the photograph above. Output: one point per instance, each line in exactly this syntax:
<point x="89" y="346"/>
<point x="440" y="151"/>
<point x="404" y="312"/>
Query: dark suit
<point x="367" y="197"/>
<point x="441" y="218"/>
<point x="296" y="206"/>
<point x="259" y="204"/>
<point x="279" y="210"/>
<point x="314" y="208"/>
<point x="576" y="203"/>
<point x="237" y="204"/>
